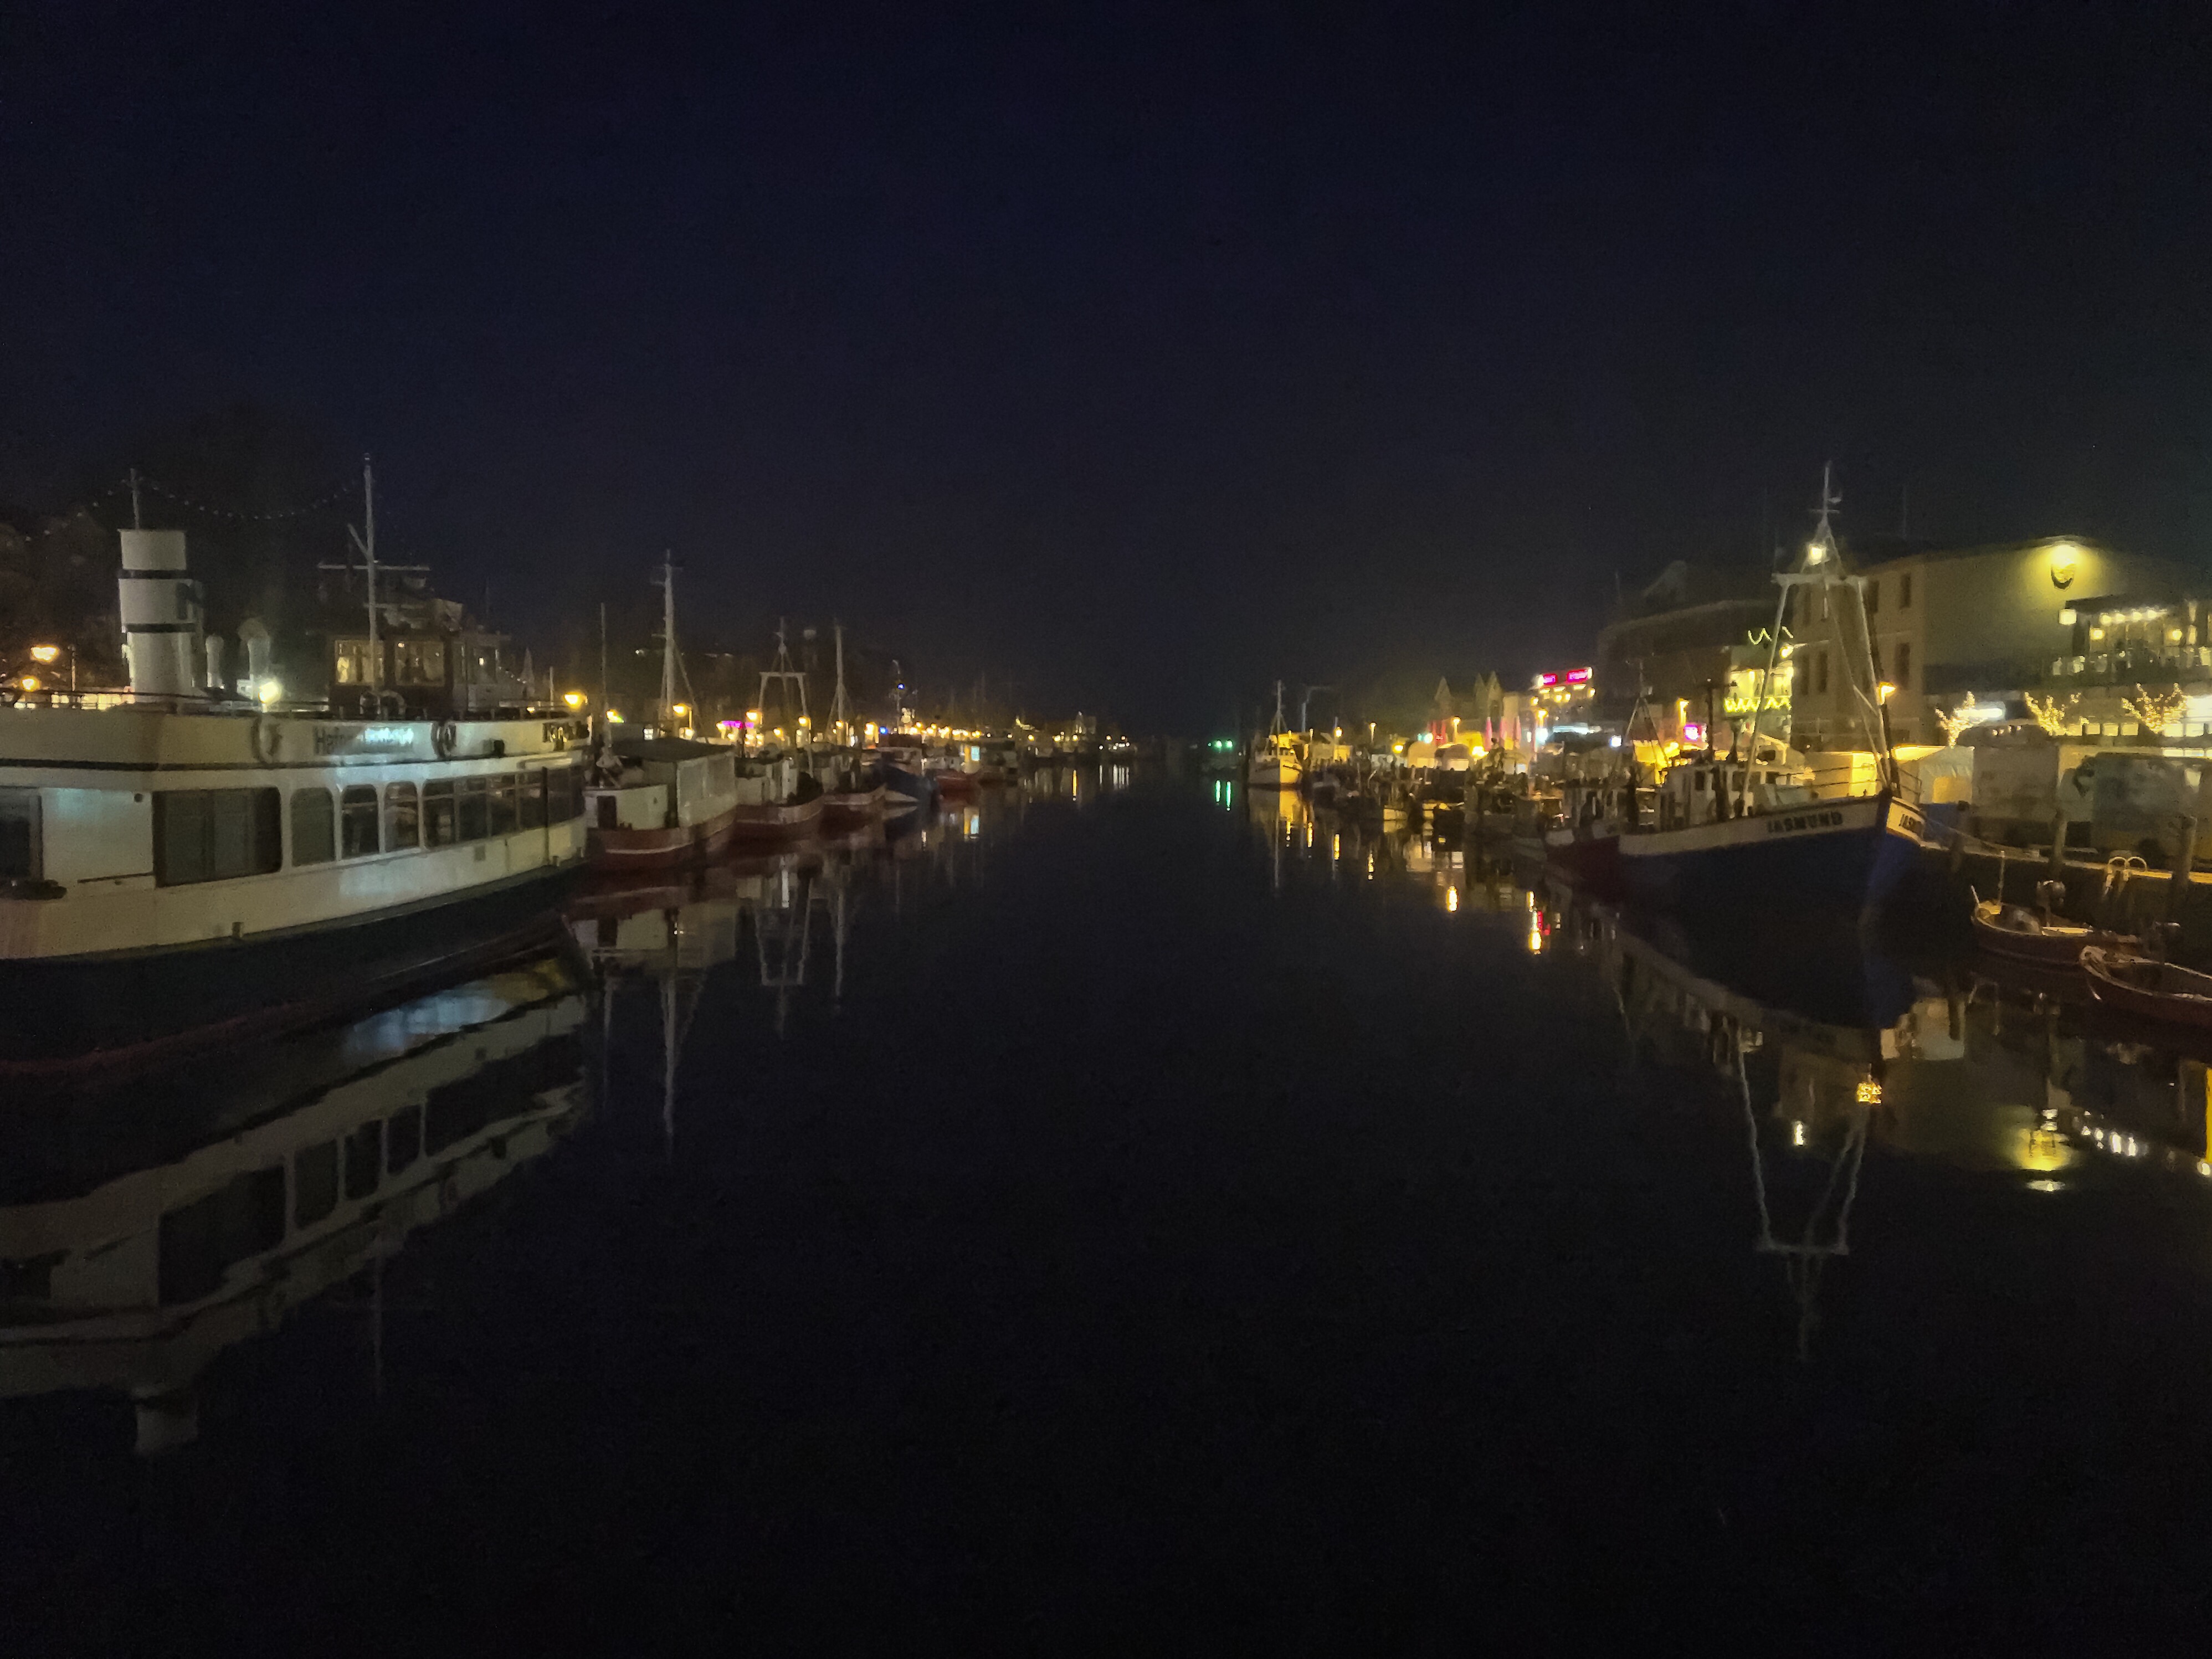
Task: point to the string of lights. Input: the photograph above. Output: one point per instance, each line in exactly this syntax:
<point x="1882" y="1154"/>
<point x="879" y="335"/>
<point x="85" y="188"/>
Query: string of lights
<point x="336" y="493"/>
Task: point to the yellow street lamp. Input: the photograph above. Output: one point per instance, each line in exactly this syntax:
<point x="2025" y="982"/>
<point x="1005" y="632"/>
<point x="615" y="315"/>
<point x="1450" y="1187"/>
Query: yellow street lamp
<point x="574" y="699"/>
<point x="45" y="653"/>
<point x="29" y="682"/>
<point x="679" y="708"/>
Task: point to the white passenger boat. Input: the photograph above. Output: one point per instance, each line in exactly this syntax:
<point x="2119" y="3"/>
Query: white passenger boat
<point x="185" y="861"/>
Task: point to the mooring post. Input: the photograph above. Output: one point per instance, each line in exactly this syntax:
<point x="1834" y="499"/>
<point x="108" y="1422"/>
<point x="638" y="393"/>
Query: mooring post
<point x="2184" y="860"/>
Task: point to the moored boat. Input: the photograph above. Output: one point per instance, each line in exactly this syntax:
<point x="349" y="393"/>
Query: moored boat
<point x="189" y="860"/>
<point x="2149" y="988"/>
<point x="661" y="801"/>
<point x="1275" y="761"/>
<point x="2009" y="930"/>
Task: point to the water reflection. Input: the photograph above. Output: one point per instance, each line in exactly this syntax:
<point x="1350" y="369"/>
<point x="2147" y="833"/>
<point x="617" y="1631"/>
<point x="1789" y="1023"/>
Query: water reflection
<point x="1834" y="1053"/>
<point x="141" y="1235"/>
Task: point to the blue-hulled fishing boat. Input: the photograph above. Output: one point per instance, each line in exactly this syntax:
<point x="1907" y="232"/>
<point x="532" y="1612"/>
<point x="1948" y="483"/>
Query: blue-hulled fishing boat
<point x="1745" y="836"/>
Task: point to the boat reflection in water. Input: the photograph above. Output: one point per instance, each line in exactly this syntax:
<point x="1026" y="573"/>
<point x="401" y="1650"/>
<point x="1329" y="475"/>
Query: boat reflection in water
<point x="1832" y="1049"/>
<point x="1462" y="876"/>
<point x="141" y="1236"/>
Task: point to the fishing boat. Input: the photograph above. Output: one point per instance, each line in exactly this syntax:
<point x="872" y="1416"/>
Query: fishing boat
<point x="2016" y="933"/>
<point x="1275" y="761"/>
<point x="2149" y="988"/>
<point x="660" y="800"/>
<point x="852" y="808"/>
<point x="777" y="801"/>
<point x="182" y="857"/>
<point x="905" y="777"/>
<point x="1737" y="833"/>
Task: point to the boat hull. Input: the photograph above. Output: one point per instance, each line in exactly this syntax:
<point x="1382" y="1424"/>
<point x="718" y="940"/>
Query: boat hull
<point x="785" y="821"/>
<point x="656" y="849"/>
<point x="2058" y="946"/>
<point x="849" y="809"/>
<point x="1275" y="775"/>
<point x="132" y="1010"/>
<point x="1833" y="855"/>
<point x="1588" y="860"/>
<point x="2149" y="990"/>
<point x="916" y="787"/>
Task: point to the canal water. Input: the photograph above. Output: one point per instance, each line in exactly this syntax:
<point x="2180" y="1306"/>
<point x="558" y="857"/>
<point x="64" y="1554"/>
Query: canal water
<point x="1118" y="1214"/>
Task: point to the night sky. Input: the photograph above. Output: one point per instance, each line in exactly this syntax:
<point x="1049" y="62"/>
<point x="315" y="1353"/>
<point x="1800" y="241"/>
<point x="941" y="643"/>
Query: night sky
<point x="1139" y="354"/>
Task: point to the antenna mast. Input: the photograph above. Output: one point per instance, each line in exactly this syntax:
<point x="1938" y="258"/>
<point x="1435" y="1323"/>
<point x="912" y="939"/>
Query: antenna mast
<point x="365" y="539"/>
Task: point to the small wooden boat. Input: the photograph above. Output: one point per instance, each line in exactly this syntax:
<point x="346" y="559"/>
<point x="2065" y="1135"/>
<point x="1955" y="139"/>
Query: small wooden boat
<point x="2014" y="932"/>
<point x="2149" y="988"/>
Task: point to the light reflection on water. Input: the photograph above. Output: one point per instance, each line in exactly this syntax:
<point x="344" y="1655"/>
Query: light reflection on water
<point x="1830" y="1048"/>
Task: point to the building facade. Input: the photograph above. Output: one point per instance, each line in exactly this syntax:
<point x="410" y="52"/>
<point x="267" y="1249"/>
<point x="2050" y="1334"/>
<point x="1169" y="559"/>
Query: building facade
<point x="1960" y="635"/>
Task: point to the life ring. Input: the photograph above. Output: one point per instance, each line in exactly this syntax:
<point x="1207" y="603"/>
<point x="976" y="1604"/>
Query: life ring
<point x="444" y="737"/>
<point x="268" y="735"/>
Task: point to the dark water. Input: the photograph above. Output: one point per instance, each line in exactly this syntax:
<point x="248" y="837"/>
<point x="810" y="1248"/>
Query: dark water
<point x="1119" y="1217"/>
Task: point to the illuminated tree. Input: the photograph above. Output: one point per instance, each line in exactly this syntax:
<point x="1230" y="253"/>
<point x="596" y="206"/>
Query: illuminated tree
<point x="1957" y="720"/>
<point x="2159" y="711"/>
<point x="2052" y="714"/>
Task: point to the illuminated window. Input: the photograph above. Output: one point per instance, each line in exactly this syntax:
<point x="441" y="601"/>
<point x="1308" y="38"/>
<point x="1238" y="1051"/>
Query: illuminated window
<point x="419" y="662"/>
<point x="351" y="666"/>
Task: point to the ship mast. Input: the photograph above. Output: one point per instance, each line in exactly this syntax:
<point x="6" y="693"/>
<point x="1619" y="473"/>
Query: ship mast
<point x="667" y="642"/>
<point x="840" y="709"/>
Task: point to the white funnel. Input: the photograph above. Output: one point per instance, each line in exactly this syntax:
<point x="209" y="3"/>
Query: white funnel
<point x="161" y="616"/>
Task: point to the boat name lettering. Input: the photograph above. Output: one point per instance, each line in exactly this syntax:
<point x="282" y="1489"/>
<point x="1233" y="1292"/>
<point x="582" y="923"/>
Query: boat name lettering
<point x="1803" y="821"/>
<point x="364" y="739"/>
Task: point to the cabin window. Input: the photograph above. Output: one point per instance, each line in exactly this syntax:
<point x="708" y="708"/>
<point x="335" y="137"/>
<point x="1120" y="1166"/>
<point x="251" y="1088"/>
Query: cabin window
<point x="19" y="850"/>
<point x="474" y="795"/>
<point x="564" y="795"/>
<point x="351" y="664"/>
<point x="1905" y="591"/>
<point x="314" y="827"/>
<point x="196" y="1244"/>
<point x="364" y="1153"/>
<point x="1904" y="664"/>
<point x="439" y="826"/>
<point x="357" y="821"/>
<point x="418" y="662"/>
<point x="403" y="820"/>
<point x="213" y="835"/>
<point x="314" y="1183"/>
<point x="403" y="1141"/>
<point x="502" y="805"/>
<point x="532" y="803"/>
